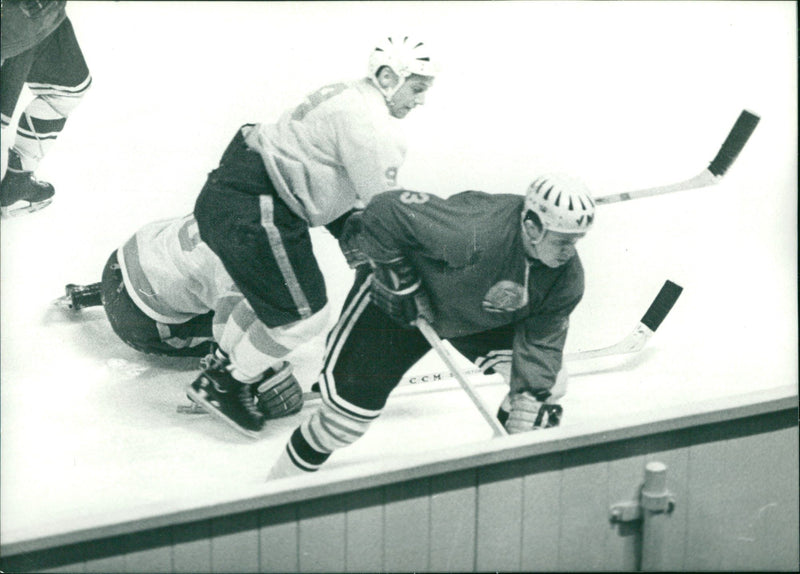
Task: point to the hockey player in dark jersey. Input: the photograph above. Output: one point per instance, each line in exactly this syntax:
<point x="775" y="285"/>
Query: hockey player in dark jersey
<point x="328" y="155"/>
<point x="496" y="275"/>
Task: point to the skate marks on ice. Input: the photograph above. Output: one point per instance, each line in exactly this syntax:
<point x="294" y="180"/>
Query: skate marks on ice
<point x="140" y="387"/>
<point x="90" y="331"/>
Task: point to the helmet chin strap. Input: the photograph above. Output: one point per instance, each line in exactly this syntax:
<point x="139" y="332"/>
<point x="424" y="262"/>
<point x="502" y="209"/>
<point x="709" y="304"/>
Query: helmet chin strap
<point x="541" y="238"/>
<point x="388" y="93"/>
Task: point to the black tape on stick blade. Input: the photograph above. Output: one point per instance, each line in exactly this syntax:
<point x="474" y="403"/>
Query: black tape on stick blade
<point x="734" y="143"/>
<point x="662" y="305"/>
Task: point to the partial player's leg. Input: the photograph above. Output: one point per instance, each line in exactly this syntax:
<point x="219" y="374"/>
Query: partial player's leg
<point x="267" y="251"/>
<point x="248" y="382"/>
<point x="78" y="297"/>
<point x="59" y="78"/>
<point x="366" y="356"/>
<point x="20" y="192"/>
<point x="264" y="246"/>
<point x="246" y="406"/>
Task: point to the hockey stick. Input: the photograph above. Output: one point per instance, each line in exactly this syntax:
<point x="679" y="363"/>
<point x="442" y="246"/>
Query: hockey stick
<point x="433" y="338"/>
<point x="634" y="342"/>
<point x="638" y="338"/>
<point x="727" y="154"/>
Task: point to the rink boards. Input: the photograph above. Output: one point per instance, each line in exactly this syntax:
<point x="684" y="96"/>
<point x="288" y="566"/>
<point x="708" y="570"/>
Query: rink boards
<point x="529" y="502"/>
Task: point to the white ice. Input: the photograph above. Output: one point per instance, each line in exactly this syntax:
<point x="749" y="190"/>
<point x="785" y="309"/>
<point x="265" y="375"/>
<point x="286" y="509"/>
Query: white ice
<point x="627" y="95"/>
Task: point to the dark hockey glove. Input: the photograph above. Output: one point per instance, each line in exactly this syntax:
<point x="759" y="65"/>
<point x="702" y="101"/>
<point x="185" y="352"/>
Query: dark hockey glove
<point x="348" y="241"/>
<point x="397" y="290"/>
<point x="278" y="394"/>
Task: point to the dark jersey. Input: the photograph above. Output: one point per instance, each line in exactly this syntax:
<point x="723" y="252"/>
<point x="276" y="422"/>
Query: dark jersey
<point x="25" y="23"/>
<point x="468" y="250"/>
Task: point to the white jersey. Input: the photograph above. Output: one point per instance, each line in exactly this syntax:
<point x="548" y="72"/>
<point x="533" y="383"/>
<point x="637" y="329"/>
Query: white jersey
<point x="333" y="152"/>
<point x="173" y="276"/>
<point x="170" y="273"/>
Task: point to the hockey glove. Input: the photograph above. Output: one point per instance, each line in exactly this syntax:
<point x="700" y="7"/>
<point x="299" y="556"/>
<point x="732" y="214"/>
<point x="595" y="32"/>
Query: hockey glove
<point x="396" y="290"/>
<point x="529" y="412"/>
<point x="279" y="394"/>
<point x="348" y="241"/>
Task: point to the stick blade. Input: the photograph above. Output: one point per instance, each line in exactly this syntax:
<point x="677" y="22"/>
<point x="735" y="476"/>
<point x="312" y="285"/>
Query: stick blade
<point x="661" y="305"/>
<point x="734" y="143"/>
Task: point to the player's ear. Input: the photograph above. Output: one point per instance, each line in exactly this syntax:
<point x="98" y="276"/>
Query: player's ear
<point x="533" y="227"/>
<point x="386" y="77"/>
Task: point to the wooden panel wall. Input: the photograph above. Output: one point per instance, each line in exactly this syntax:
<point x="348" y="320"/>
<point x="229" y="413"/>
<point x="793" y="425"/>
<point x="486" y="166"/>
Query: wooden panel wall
<point x="735" y="483"/>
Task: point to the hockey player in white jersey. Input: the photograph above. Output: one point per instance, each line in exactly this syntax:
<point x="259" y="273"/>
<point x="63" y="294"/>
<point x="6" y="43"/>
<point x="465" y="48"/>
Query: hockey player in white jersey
<point x="166" y="293"/>
<point x="322" y="159"/>
<point x="497" y="275"/>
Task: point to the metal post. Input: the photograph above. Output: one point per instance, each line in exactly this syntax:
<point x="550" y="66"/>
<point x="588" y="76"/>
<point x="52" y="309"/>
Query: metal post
<point x="657" y="502"/>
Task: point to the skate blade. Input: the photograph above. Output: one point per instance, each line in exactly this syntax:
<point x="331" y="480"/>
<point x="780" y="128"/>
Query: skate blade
<point x="11" y="211"/>
<point x="63" y="302"/>
<point x="216" y="413"/>
<point x="191" y="409"/>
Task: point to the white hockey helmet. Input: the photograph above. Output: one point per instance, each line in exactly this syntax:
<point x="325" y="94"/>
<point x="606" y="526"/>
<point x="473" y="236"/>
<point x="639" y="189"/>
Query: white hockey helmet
<point x="404" y="55"/>
<point x="563" y="203"/>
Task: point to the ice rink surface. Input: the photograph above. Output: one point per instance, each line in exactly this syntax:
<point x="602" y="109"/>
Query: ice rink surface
<point x="626" y="95"/>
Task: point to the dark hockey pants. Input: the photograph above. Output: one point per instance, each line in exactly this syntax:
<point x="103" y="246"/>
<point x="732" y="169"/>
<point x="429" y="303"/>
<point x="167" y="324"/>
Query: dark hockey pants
<point x="190" y="339"/>
<point x="367" y="355"/>
<point x="264" y="246"/>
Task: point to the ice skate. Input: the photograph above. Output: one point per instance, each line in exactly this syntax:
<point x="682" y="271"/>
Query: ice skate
<point x="227" y="399"/>
<point x="80" y="296"/>
<point x="20" y="191"/>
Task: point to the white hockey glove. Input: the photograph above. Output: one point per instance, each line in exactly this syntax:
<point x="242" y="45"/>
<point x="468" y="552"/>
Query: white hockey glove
<point x="348" y="241"/>
<point x="529" y="412"/>
<point x="278" y="394"/>
<point x="397" y="291"/>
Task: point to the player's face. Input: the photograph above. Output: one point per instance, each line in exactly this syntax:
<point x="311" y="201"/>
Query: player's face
<point x="410" y="95"/>
<point x="554" y="248"/>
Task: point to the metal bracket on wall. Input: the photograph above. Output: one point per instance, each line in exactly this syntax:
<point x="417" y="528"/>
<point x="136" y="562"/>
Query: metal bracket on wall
<point x="626" y="512"/>
<point x="654" y="497"/>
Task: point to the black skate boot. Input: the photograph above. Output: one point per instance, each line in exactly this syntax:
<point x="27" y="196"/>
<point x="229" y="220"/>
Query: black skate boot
<point x="81" y="296"/>
<point x="226" y="398"/>
<point x="20" y="191"/>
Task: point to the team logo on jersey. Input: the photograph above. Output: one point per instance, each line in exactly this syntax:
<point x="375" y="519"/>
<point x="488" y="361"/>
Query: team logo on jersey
<point x="505" y="297"/>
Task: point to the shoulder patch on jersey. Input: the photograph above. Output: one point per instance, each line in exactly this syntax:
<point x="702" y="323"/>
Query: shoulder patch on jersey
<point x="504" y="297"/>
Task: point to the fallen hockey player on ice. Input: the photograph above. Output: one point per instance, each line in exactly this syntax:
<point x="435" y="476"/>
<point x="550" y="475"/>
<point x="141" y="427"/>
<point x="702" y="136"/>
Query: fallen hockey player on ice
<point x="166" y="293"/>
<point x="244" y="264"/>
<point x="496" y="275"/>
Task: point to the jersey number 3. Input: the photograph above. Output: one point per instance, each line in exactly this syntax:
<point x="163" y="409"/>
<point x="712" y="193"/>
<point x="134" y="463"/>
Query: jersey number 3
<point x="414" y="197"/>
